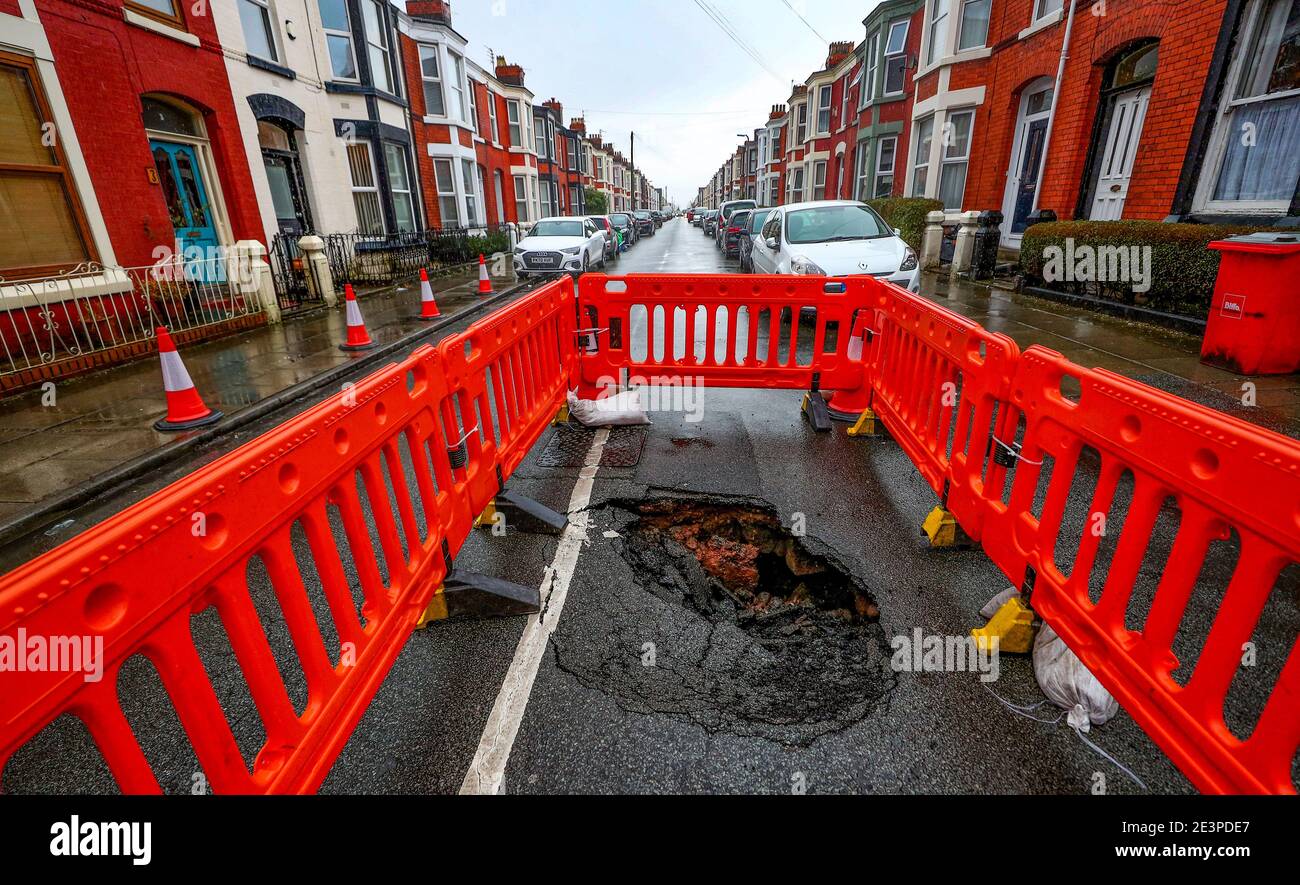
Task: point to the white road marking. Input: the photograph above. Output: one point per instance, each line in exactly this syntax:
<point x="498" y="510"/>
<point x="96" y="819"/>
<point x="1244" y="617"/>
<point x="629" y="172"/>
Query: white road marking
<point x="487" y="772"/>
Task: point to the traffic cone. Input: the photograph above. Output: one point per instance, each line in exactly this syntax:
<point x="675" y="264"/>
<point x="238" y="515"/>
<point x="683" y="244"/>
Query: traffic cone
<point x="358" y="337"/>
<point x="484" y="281"/>
<point x="185" y="408"/>
<point x="428" y="307"/>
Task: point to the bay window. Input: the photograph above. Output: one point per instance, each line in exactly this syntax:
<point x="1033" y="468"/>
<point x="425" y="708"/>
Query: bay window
<point x="469" y="179"/>
<point x="448" y="206"/>
<point x="456" y="85"/>
<point x="936" y="42"/>
<point x="824" y="110"/>
<point x="896" y="59"/>
<point x="955" y="159"/>
<point x="492" y="117"/>
<point x="1253" y="164"/>
<point x="974" y="28"/>
<point x="819" y="180"/>
<point x="886" y="152"/>
<point x="872" y="61"/>
<point x="862" y="171"/>
<point x="431" y="78"/>
<point x="921" y="159"/>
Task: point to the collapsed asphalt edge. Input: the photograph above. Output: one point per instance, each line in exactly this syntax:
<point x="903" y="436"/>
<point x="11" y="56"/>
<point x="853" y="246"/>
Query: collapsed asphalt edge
<point x="28" y="521"/>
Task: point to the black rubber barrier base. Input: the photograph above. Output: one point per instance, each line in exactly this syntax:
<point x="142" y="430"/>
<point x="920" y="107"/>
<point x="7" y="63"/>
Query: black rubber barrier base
<point x="172" y="426"/>
<point x="471" y="595"/>
<point x="816" y="411"/>
<point x="526" y="515"/>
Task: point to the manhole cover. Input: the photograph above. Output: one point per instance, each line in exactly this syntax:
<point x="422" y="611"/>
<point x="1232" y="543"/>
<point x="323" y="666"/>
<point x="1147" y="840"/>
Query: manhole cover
<point x="569" y="447"/>
<point x="729" y="619"/>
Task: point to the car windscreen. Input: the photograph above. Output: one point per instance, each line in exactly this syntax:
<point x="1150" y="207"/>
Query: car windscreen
<point x="834" y="224"/>
<point x="557" y="229"/>
<point x="758" y="219"/>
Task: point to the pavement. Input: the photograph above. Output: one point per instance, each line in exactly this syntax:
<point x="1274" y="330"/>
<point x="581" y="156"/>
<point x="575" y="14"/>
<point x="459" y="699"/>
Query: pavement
<point x="649" y="684"/>
<point x="102" y="419"/>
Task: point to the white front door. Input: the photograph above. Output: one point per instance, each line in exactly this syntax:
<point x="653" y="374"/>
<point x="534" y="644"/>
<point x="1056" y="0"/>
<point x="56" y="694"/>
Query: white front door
<point x="1118" y="153"/>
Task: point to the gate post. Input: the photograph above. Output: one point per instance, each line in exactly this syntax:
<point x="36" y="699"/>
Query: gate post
<point x="965" y="251"/>
<point x="253" y="277"/>
<point x="932" y="245"/>
<point x="320" y="280"/>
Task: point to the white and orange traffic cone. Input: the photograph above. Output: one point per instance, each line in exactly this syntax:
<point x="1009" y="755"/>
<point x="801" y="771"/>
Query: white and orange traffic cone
<point x="484" y="281"/>
<point x="428" y="307"/>
<point x="185" y="408"/>
<point x="358" y="337"/>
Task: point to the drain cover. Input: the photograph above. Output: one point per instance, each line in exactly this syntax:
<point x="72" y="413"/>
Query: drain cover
<point x="569" y="447"/>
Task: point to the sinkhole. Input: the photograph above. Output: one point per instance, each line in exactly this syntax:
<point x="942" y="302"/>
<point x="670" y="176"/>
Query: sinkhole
<point x="712" y="609"/>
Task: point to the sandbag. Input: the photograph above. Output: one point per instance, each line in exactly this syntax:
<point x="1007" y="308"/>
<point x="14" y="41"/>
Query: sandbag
<point x="1069" y="684"/>
<point x="619" y="410"/>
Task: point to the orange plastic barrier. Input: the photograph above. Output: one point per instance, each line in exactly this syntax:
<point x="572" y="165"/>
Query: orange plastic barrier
<point x="722" y="331"/>
<point x="1226" y="477"/>
<point x="940" y="384"/>
<point x="507" y="376"/>
<point x="139" y="578"/>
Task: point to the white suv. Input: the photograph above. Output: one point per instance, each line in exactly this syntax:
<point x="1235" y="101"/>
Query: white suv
<point x="560" y="245"/>
<point x="834" y="238"/>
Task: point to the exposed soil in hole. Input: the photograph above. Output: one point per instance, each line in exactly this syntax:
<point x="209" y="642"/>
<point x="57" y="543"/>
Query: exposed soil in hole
<point x="750" y="631"/>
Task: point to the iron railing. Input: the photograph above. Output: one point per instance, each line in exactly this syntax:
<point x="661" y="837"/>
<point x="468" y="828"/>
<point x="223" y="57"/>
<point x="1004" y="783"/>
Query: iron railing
<point x="387" y="258"/>
<point x="94" y="308"/>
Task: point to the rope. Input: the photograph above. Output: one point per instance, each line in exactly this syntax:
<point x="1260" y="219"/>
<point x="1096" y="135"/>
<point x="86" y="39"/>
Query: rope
<point x="1015" y="453"/>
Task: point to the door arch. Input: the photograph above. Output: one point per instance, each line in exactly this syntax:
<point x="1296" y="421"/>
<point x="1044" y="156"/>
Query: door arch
<point x="1125" y="97"/>
<point x="1024" y="175"/>
<point x="182" y="156"/>
<point x="283" y="167"/>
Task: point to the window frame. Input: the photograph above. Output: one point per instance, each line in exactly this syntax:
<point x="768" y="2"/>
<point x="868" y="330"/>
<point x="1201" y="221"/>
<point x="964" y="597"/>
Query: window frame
<point x="1040" y="13"/>
<point x="879" y="173"/>
<point x="459" y="85"/>
<point x="886" y="56"/>
<point x="176" y="19"/>
<point x="399" y="150"/>
<point x="381" y="8"/>
<point x="354" y="188"/>
<point x="349" y="35"/>
<point x="819" y="169"/>
<point x="871" y="69"/>
<point x="937" y="25"/>
<point x="801" y="122"/>
<point x="59" y="167"/>
<point x="946" y="161"/>
<point x="471" y="98"/>
<point x="825" y="92"/>
<point x="961" y="25"/>
<point x="920" y="163"/>
<point x="444" y="195"/>
<point x="493" y="117"/>
<point x="861" y="169"/>
<point x="268" y="21"/>
<point x="473" y="202"/>
<point x="426" y="81"/>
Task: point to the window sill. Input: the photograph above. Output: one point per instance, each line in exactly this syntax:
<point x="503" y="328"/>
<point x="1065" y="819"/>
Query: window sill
<point x="957" y="58"/>
<point x="1042" y="24"/>
<point x="256" y="62"/>
<point x="149" y="24"/>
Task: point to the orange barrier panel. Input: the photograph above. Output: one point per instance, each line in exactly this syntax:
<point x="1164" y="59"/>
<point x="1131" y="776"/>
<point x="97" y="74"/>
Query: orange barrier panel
<point x="722" y="331"/>
<point x="1225" y="478"/>
<point x="139" y="578"/>
<point x="940" y="384"/>
<point x="507" y="376"/>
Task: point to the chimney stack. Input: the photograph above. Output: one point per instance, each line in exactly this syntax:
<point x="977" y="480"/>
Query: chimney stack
<point x="511" y="75"/>
<point x="438" y="11"/>
<point x="840" y="50"/>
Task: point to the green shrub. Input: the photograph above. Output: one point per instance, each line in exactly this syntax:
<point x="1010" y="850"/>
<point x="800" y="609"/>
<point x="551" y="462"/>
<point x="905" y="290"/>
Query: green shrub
<point x="498" y="241"/>
<point x="1183" y="269"/>
<point x="908" y="215"/>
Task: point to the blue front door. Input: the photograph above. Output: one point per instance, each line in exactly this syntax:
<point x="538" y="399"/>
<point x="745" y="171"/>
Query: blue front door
<point x="1031" y="159"/>
<point x="186" y="194"/>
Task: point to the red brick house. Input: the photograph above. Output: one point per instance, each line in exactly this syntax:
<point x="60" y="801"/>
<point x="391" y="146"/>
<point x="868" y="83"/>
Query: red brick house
<point x="143" y="149"/>
<point x="884" y="96"/>
<point x="1145" y="123"/>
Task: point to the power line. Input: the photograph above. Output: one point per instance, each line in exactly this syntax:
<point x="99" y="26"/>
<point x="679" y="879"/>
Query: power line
<point x="670" y="113"/>
<point x="727" y="29"/>
<point x="790" y="6"/>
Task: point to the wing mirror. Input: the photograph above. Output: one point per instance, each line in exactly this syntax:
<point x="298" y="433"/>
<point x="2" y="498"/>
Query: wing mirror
<point x="772" y="243"/>
<point x="897" y="232"/>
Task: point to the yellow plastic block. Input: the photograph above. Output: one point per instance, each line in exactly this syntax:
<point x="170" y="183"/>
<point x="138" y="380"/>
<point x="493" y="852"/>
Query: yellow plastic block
<point x="488" y="516"/>
<point x="562" y="416"/>
<point x="436" y="610"/>
<point x="866" y="425"/>
<point x="941" y="528"/>
<point x="1011" y="629"/>
<point x="803" y="406"/>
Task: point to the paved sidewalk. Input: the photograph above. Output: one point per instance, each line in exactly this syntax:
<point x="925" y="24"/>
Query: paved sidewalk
<point x="103" y="419"/>
<point x="1162" y="358"/>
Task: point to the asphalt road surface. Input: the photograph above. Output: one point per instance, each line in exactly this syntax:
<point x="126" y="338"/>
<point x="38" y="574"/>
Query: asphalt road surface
<point x="640" y="679"/>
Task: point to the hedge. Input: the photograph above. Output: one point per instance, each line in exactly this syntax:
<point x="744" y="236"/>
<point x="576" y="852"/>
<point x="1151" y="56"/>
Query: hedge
<point x="908" y="215"/>
<point x="1183" y="269"/>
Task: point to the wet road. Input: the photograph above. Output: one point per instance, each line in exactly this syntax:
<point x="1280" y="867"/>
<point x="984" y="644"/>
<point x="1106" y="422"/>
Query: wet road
<point x="641" y="690"/>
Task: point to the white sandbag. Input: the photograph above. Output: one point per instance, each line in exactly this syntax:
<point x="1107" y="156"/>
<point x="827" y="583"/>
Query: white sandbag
<point x="1069" y="684"/>
<point x="619" y="410"/>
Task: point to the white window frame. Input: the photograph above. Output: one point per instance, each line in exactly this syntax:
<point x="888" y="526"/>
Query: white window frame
<point x="935" y="41"/>
<point x="458" y="86"/>
<point x="473" y="200"/>
<point x="880" y="170"/>
<point x="492" y="117"/>
<point x="447" y="192"/>
<point x="902" y="51"/>
<point x="471" y="97"/>
<point x="515" y="109"/>
<point x="855" y="80"/>
<point x="920" y="163"/>
<point x="861" y="170"/>
<point x="426" y="51"/>
<point x="521" y="202"/>
<point x="1045" y="8"/>
<point x="409" y="190"/>
<point x="961" y="25"/>
<point x="946" y="160"/>
<point x="801" y="130"/>
<point x="872" y="69"/>
<point x="352" y="46"/>
<point x="1225" y="129"/>
<point x="268" y="22"/>
<point x="390" y="80"/>
<point x="819" y="180"/>
<point x="825" y="94"/>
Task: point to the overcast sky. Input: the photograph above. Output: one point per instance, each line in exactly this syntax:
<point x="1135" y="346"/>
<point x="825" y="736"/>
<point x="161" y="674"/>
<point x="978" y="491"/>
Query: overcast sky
<point x="643" y="64"/>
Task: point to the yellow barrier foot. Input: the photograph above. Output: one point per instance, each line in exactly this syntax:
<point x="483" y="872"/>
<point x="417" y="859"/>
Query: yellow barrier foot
<point x="488" y="516"/>
<point x="942" y="529"/>
<point x="867" y="425"/>
<point x="1011" y="629"/>
<point x="471" y="595"/>
<point x="562" y="416"/>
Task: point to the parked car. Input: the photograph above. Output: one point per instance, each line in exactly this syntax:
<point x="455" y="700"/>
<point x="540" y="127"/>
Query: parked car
<point x="835" y="238"/>
<point x="724" y="217"/>
<point x="757" y="218"/>
<point x="612" y="236"/>
<point x="623" y="222"/>
<point x="645" y="223"/>
<point x="710" y="222"/>
<point x="659" y="217"/>
<point x="733" y="231"/>
<point x="690" y="215"/>
<point x="560" y="245"/>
